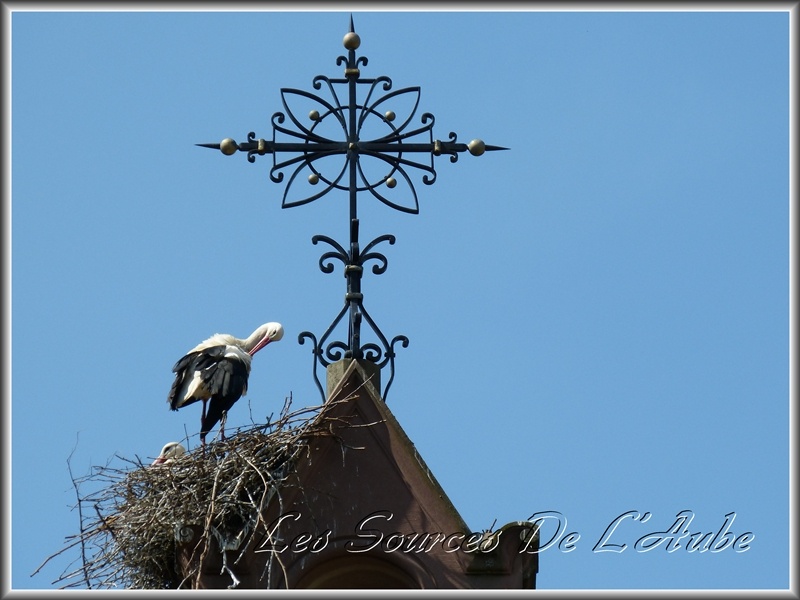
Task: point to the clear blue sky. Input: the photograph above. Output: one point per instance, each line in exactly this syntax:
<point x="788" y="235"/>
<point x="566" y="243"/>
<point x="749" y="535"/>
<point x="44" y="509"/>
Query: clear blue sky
<point x="598" y="317"/>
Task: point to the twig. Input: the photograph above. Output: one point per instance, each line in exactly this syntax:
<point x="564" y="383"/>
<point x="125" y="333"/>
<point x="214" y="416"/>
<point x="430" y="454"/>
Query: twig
<point x="80" y="511"/>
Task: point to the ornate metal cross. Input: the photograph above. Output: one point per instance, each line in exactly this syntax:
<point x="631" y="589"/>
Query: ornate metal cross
<point x="355" y="130"/>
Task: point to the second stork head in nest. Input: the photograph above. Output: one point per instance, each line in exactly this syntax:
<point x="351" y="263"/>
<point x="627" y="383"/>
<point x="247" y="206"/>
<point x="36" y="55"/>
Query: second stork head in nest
<point x="216" y="372"/>
<point x="170" y="452"/>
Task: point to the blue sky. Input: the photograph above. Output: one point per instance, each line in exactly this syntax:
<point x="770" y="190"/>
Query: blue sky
<point x="598" y="318"/>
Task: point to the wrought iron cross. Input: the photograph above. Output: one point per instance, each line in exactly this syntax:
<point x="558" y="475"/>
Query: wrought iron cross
<point x="350" y="135"/>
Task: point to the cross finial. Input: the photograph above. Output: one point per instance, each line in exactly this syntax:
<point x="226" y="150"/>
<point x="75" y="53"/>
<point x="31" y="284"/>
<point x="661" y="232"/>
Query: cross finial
<point x="307" y="149"/>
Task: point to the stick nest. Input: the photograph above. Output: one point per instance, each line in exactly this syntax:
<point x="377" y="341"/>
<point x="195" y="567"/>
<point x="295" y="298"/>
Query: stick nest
<point x="129" y="526"/>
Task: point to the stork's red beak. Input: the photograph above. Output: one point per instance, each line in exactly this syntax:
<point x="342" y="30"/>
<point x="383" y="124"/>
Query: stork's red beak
<point x="159" y="460"/>
<point x="265" y="340"/>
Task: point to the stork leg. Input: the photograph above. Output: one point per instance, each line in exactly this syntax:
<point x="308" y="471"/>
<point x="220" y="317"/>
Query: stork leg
<point x="202" y="422"/>
<point x="222" y="424"/>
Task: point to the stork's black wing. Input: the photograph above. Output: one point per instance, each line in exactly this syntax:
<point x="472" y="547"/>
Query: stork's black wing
<point x="184" y="371"/>
<point x="226" y="380"/>
<point x="221" y="376"/>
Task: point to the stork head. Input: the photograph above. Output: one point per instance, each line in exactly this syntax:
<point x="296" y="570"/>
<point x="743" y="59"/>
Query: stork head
<point x="169" y="452"/>
<point x="268" y="332"/>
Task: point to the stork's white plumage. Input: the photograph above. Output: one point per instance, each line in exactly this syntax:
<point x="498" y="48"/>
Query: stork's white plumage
<point x="216" y="372"/>
<point x="169" y="452"/>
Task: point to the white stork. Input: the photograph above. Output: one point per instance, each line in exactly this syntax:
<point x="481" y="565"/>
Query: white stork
<point x="217" y="370"/>
<point x="169" y="452"/>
